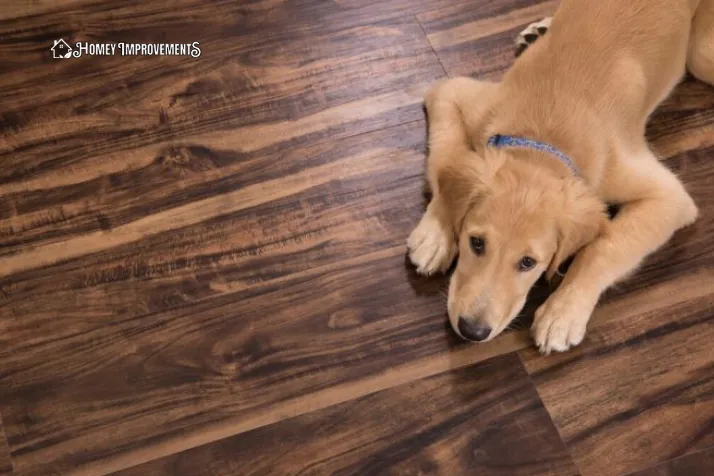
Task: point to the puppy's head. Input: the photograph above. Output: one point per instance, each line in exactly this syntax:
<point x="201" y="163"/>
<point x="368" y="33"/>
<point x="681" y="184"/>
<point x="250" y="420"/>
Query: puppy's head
<point x="514" y="224"/>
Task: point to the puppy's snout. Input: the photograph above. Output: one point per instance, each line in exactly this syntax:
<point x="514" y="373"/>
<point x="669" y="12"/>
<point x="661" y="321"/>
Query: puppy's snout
<point x="472" y="330"/>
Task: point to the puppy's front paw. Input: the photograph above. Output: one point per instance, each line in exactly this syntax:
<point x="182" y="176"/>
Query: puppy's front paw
<point x="560" y="323"/>
<point x="531" y="33"/>
<point x="432" y="247"/>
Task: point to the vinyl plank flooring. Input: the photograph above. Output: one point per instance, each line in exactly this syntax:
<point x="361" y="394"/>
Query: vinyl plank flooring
<point x="479" y="39"/>
<point x="200" y="252"/>
<point x="684" y="122"/>
<point x="484" y="419"/>
<point x="695" y="464"/>
<point x="313" y="82"/>
<point x="249" y="48"/>
<point x="203" y="316"/>
<point x="638" y="391"/>
<point x="220" y="224"/>
<point x="5" y="459"/>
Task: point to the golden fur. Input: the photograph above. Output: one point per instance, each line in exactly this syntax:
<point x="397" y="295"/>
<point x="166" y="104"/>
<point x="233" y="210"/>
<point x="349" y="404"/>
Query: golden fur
<point x="587" y="87"/>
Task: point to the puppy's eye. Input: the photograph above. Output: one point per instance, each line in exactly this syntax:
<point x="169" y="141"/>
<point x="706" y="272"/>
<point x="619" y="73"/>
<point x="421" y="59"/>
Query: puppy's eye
<point x="478" y="245"/>
<point x="526" y="264"/>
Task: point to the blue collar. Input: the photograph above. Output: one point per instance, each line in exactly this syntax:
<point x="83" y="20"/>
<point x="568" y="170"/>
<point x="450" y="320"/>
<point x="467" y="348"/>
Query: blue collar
<point x="499" y="141"/>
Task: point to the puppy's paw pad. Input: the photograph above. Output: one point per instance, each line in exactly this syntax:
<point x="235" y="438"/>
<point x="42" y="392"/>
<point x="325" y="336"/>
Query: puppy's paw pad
<point x="432" y="247"/>
<point x="531" y="33"/>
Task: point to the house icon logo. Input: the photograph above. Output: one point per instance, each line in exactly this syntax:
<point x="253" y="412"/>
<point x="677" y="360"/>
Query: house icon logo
<point x="61" y="49"/>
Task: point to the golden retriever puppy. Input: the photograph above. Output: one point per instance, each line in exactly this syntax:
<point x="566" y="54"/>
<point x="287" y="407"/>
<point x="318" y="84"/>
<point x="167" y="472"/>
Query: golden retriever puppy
<point x="521" y="170"/>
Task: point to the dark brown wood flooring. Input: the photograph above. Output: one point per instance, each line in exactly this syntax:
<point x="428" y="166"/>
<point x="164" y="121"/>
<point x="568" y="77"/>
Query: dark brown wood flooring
<point x="451" y="423"/>
<point x="202" y="260"/>
<point x="5" y="460"/>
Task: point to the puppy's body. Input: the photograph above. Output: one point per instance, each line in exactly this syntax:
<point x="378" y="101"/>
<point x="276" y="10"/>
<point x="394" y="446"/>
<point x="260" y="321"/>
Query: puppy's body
<point x="586" y="88"/>
<point x="591" y="83"/>
<point x="613" y="59"/>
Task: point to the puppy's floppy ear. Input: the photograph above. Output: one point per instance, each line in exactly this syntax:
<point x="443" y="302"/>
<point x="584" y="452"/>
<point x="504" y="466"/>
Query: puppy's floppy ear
<point x="581" y="218"/>
<point x="461" y="186"/>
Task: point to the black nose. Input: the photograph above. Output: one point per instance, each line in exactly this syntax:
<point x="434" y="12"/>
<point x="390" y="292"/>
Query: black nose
<point x="472" y="331"/>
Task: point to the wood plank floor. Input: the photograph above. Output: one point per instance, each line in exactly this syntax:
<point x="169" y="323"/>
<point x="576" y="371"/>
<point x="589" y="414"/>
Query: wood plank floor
<point x="202" y="265"/>
<point x="5" y="458"/>
<point x="452" y="423"/>
<point x="696" y="464"/>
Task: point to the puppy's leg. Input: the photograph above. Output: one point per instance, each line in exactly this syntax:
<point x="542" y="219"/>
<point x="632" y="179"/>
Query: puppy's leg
<point x="531" y="33"/>
<point x="700" y="57"/>
<point x="433" y="243"/>
<point x="656" y="205"/>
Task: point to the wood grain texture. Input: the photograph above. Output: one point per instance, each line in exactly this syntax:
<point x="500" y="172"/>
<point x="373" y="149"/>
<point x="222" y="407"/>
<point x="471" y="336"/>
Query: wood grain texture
<point x="209" y="252"/>
<point x="237" y="98"/>
<point x="217" y="242"/>
<point x="478" y="40"/>
<point x="207" y="308"/>
<point x="232" y="305"/>
<point x="695" y="464"/>
<point x="452" y="423"/>
<point x="639" y="390"/>
<point x="5" y="459"/>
